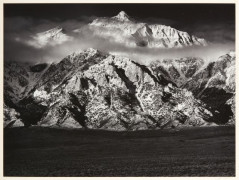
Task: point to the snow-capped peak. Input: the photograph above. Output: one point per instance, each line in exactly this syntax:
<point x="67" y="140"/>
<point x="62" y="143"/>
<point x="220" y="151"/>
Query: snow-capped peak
<point x="52" y="32"/>
<point x="122" y="16"/>
<point x="50" y="37"/>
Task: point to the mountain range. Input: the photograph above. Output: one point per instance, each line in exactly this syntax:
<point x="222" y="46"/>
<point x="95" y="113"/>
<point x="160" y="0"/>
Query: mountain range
<point x="98" y="90"/>
<point x="95" y="90"/>
<point x="123" y="30"/>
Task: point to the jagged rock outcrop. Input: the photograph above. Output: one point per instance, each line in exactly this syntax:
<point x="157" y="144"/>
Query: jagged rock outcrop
<point x="11" y="118"/>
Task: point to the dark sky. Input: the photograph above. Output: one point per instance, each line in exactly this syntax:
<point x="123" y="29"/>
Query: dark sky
<point x="185" y="13"/>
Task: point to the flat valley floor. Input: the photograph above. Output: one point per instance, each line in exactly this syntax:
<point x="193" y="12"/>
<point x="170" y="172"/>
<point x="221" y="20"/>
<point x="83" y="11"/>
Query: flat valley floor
<point x="36" y="151"/>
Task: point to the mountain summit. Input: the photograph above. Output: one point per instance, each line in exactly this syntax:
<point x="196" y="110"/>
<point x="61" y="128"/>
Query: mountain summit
<point x="122" y="16"/>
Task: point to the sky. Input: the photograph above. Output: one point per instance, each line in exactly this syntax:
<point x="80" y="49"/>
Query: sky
<point x="214" y="22"/>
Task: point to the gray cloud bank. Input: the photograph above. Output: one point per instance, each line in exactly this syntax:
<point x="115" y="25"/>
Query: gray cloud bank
<point x="19" y="29"/>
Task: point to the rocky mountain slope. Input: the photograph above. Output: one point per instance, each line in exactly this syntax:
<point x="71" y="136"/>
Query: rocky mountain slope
<point x="125" y="30"/>
<point x="120" y="94"/>
<point x="19" y="79"/>
<point x="215" y="85"/>
<point x="91" y="89"/>
<point x="178" y="70"/>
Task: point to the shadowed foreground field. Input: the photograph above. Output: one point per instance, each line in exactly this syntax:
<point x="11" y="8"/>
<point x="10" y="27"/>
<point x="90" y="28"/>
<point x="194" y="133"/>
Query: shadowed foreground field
<point x="35" y="151"/>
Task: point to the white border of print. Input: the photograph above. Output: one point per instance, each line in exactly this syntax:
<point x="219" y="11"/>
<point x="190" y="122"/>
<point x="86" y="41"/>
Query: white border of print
<point x="111" y="1"/>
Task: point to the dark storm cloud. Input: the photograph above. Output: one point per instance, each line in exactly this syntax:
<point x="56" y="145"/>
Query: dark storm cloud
<point x="19" y="30"/>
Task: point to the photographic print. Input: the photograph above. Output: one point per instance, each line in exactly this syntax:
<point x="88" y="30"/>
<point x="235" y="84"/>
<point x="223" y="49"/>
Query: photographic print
<point x="119" y="90"/>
